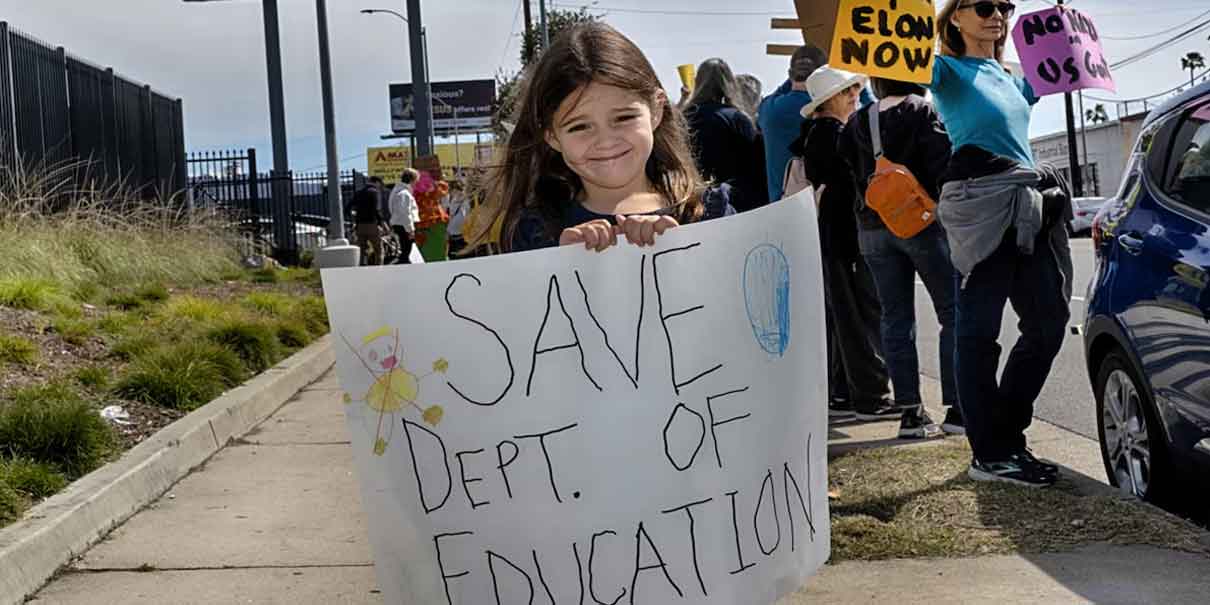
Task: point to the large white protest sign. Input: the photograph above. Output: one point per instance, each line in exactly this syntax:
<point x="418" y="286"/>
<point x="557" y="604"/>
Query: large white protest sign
<point x="643" y="425"/>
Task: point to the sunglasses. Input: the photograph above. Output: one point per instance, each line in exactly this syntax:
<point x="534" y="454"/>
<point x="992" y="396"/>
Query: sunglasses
<point x="985" y="9"/>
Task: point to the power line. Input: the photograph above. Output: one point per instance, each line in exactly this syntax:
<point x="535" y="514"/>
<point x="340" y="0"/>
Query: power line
<point x="511" y="32"/>
<point x="1162" y="45"/>
<point x="683" y="13"/>
<point x="1159" y="33"/>
<point x="1149" y="97"/>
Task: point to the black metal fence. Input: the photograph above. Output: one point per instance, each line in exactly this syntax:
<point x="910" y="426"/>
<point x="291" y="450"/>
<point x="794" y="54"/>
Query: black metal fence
<point x="56" y="108"/>
<point x="288" y="224"/>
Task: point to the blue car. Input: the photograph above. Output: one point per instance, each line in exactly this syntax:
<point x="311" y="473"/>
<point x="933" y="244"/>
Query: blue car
<point x="1147" y="329"/>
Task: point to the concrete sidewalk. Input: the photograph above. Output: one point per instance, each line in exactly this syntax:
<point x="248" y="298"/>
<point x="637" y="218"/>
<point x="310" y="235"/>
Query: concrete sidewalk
<point x="276" y="518"/>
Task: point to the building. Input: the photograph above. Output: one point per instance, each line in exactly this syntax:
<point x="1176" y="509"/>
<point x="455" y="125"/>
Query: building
<point x="1104" y="150"/>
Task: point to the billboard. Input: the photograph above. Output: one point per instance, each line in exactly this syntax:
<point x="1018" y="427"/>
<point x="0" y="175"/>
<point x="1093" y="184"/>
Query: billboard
<point x="387" y="163"/>
<point x="472" y="101"/>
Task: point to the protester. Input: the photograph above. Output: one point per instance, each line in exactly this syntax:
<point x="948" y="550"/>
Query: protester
<point x="404" y="214"/>
<point x="598" y="151"/>
<point x="458" y="206"/>
<point x="429" y="189"/>
<point x="369" y="223"/>
<point x="848" y="288"/>
<point x="780" y="118"/>
<point x="1007" y="238"/>
<point x="911" y="134"/>
<point x="723" y="137"/>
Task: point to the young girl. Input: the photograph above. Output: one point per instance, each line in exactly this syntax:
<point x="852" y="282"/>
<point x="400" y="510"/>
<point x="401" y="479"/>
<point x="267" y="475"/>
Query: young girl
<point x="597" y="152"/>
<point x="855" y="356"/>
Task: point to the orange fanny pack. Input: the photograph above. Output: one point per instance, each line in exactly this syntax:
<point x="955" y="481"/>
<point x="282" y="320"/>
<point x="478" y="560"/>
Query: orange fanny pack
<point x="894" y="192"/>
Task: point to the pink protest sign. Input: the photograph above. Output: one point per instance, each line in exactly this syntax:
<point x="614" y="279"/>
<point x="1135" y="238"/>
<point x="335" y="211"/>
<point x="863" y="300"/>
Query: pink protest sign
<point x="1060" y="51"/>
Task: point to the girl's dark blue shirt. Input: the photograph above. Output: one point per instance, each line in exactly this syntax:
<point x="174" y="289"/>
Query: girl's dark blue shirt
<point x="532" y="234"/>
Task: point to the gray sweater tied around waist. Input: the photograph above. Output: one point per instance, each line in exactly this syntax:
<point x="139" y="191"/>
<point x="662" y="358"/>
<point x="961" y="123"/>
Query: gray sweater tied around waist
<point x="976" y="213"/>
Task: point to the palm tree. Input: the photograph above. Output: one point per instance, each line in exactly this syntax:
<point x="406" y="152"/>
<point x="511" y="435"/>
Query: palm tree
<point x="1192" y="62"/>
<point x="1097" y="114"/>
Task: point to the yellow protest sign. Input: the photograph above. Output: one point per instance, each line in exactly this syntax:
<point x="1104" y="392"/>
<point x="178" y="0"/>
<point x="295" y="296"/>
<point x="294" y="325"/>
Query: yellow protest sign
<point x="387" y="163"/>
<point x="891" y="39"/>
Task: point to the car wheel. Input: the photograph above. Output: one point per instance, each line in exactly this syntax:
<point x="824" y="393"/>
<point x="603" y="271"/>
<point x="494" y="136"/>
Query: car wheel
<point x="1132" y="444"/>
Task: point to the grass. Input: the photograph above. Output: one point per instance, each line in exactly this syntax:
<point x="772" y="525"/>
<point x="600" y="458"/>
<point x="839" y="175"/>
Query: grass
<point x="184" y="376"/>
<point x="194" y="309"/>
<point x="292" y="334"/>
<point x="115" y="323"/>
<point x="74" y="331"/>
<point x="34" y="294"/>
<point x="93" y="378"/>
<point x="135" y="345"/>
<point x="53" y="424"/>
<point x="12" y="504"/>
<point x="17" y="350"/>
<point x="254" y="341"/>
<point x="36" y="480"/>
<point x="917" y="502"/>
<point x="265" y="276"/>
<point x="269" y="303"/>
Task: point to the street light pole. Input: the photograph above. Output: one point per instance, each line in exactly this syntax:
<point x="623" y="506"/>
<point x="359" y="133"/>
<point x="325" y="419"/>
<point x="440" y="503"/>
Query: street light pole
<point x="277" y="111"/>
<point x="422" y="104"/>
<point x="338" y="253"/>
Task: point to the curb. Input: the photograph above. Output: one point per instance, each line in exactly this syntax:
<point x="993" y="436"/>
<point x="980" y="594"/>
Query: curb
<point x="68" y="523"/>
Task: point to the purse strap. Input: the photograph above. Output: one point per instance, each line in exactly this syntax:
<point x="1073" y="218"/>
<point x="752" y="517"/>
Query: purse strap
<point x="875" y="131"/>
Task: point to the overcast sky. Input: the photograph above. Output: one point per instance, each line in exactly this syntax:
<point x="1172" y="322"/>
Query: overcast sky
<point x="212" y="55"/>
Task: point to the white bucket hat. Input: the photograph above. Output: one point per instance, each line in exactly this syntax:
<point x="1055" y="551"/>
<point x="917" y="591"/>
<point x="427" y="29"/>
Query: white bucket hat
<point x="826" y="83"/>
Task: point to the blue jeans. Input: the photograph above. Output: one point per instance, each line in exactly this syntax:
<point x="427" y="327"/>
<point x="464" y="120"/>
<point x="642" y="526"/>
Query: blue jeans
<point x="998" y="412"/>
<point x="895" y="262"/>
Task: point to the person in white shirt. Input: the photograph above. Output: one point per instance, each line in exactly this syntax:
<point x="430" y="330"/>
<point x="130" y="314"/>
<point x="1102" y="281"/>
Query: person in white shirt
<point x="458" y="205"/>
<point x="404" y="213"/>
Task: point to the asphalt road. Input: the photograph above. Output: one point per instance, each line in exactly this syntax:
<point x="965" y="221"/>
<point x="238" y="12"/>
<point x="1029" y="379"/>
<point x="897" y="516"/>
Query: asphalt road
<point x="1067" y="399"/>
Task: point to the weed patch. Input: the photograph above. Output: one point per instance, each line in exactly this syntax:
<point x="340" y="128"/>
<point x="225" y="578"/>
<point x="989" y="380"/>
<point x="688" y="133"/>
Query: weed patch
<point x="269" y="303"/>
<point x="193" y="309"/>
<point x="28" y="293"/>
<point x="54" y="425"/>
<point x="255" y="342"/>
<point x="34" y="479"/>
<point x="184" y="376"/>
<point x="12" y="505"/>
<point x="74" y="331"/>
<point x="93" y="378"/>
<point x="292" y="334"/>
<point x="18" y="350"/>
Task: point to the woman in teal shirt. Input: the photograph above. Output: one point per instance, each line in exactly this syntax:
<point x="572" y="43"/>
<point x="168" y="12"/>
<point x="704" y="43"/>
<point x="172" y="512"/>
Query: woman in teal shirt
<point x="993" y="210"/>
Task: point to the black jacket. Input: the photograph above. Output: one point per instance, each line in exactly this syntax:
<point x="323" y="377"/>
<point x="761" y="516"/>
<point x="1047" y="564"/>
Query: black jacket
<point x="365" y="207"/>
<point x="912" y="135"/>
<point x="728" y="149"/>
<point x="817" y="145"/>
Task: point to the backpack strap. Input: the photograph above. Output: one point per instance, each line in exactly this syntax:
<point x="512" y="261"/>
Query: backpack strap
<point x="875" y="131"/>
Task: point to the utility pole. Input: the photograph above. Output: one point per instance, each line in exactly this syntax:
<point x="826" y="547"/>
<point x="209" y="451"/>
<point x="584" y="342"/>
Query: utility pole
<point x="277" y="112"/>
<point x="279" y="178"/>
<point x="422" y="101"/>
<point x="338" y="253"/>
<point x="542" y="19"/>
<point x="1073" y="155"/>
<point x="529" y="22"/>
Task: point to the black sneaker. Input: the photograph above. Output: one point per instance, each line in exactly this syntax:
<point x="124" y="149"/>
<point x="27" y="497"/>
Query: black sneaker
<point x="953" y="423"/>
<point x="1017" y="470"/>
<point x="840" y="409"/>
<point x="1045" y="465"/>
<point x="883" y="410"/>
<point x="916" y="424"/>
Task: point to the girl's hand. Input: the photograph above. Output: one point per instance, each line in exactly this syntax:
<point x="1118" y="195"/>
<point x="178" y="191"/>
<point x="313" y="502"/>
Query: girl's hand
<point x="595" y="235"/>
<point x="641" y="230"/>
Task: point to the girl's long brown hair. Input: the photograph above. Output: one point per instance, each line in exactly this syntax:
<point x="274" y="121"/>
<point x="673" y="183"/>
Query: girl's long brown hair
<point x="952" y="44"/>
<point x="532" y="175"/>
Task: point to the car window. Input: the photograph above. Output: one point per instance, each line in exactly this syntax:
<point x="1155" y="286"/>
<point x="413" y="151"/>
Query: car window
<point x="1187" y="178"/>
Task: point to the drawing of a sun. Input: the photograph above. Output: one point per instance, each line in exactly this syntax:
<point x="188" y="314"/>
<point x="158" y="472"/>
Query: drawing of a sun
<point x="394" y="388"/>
